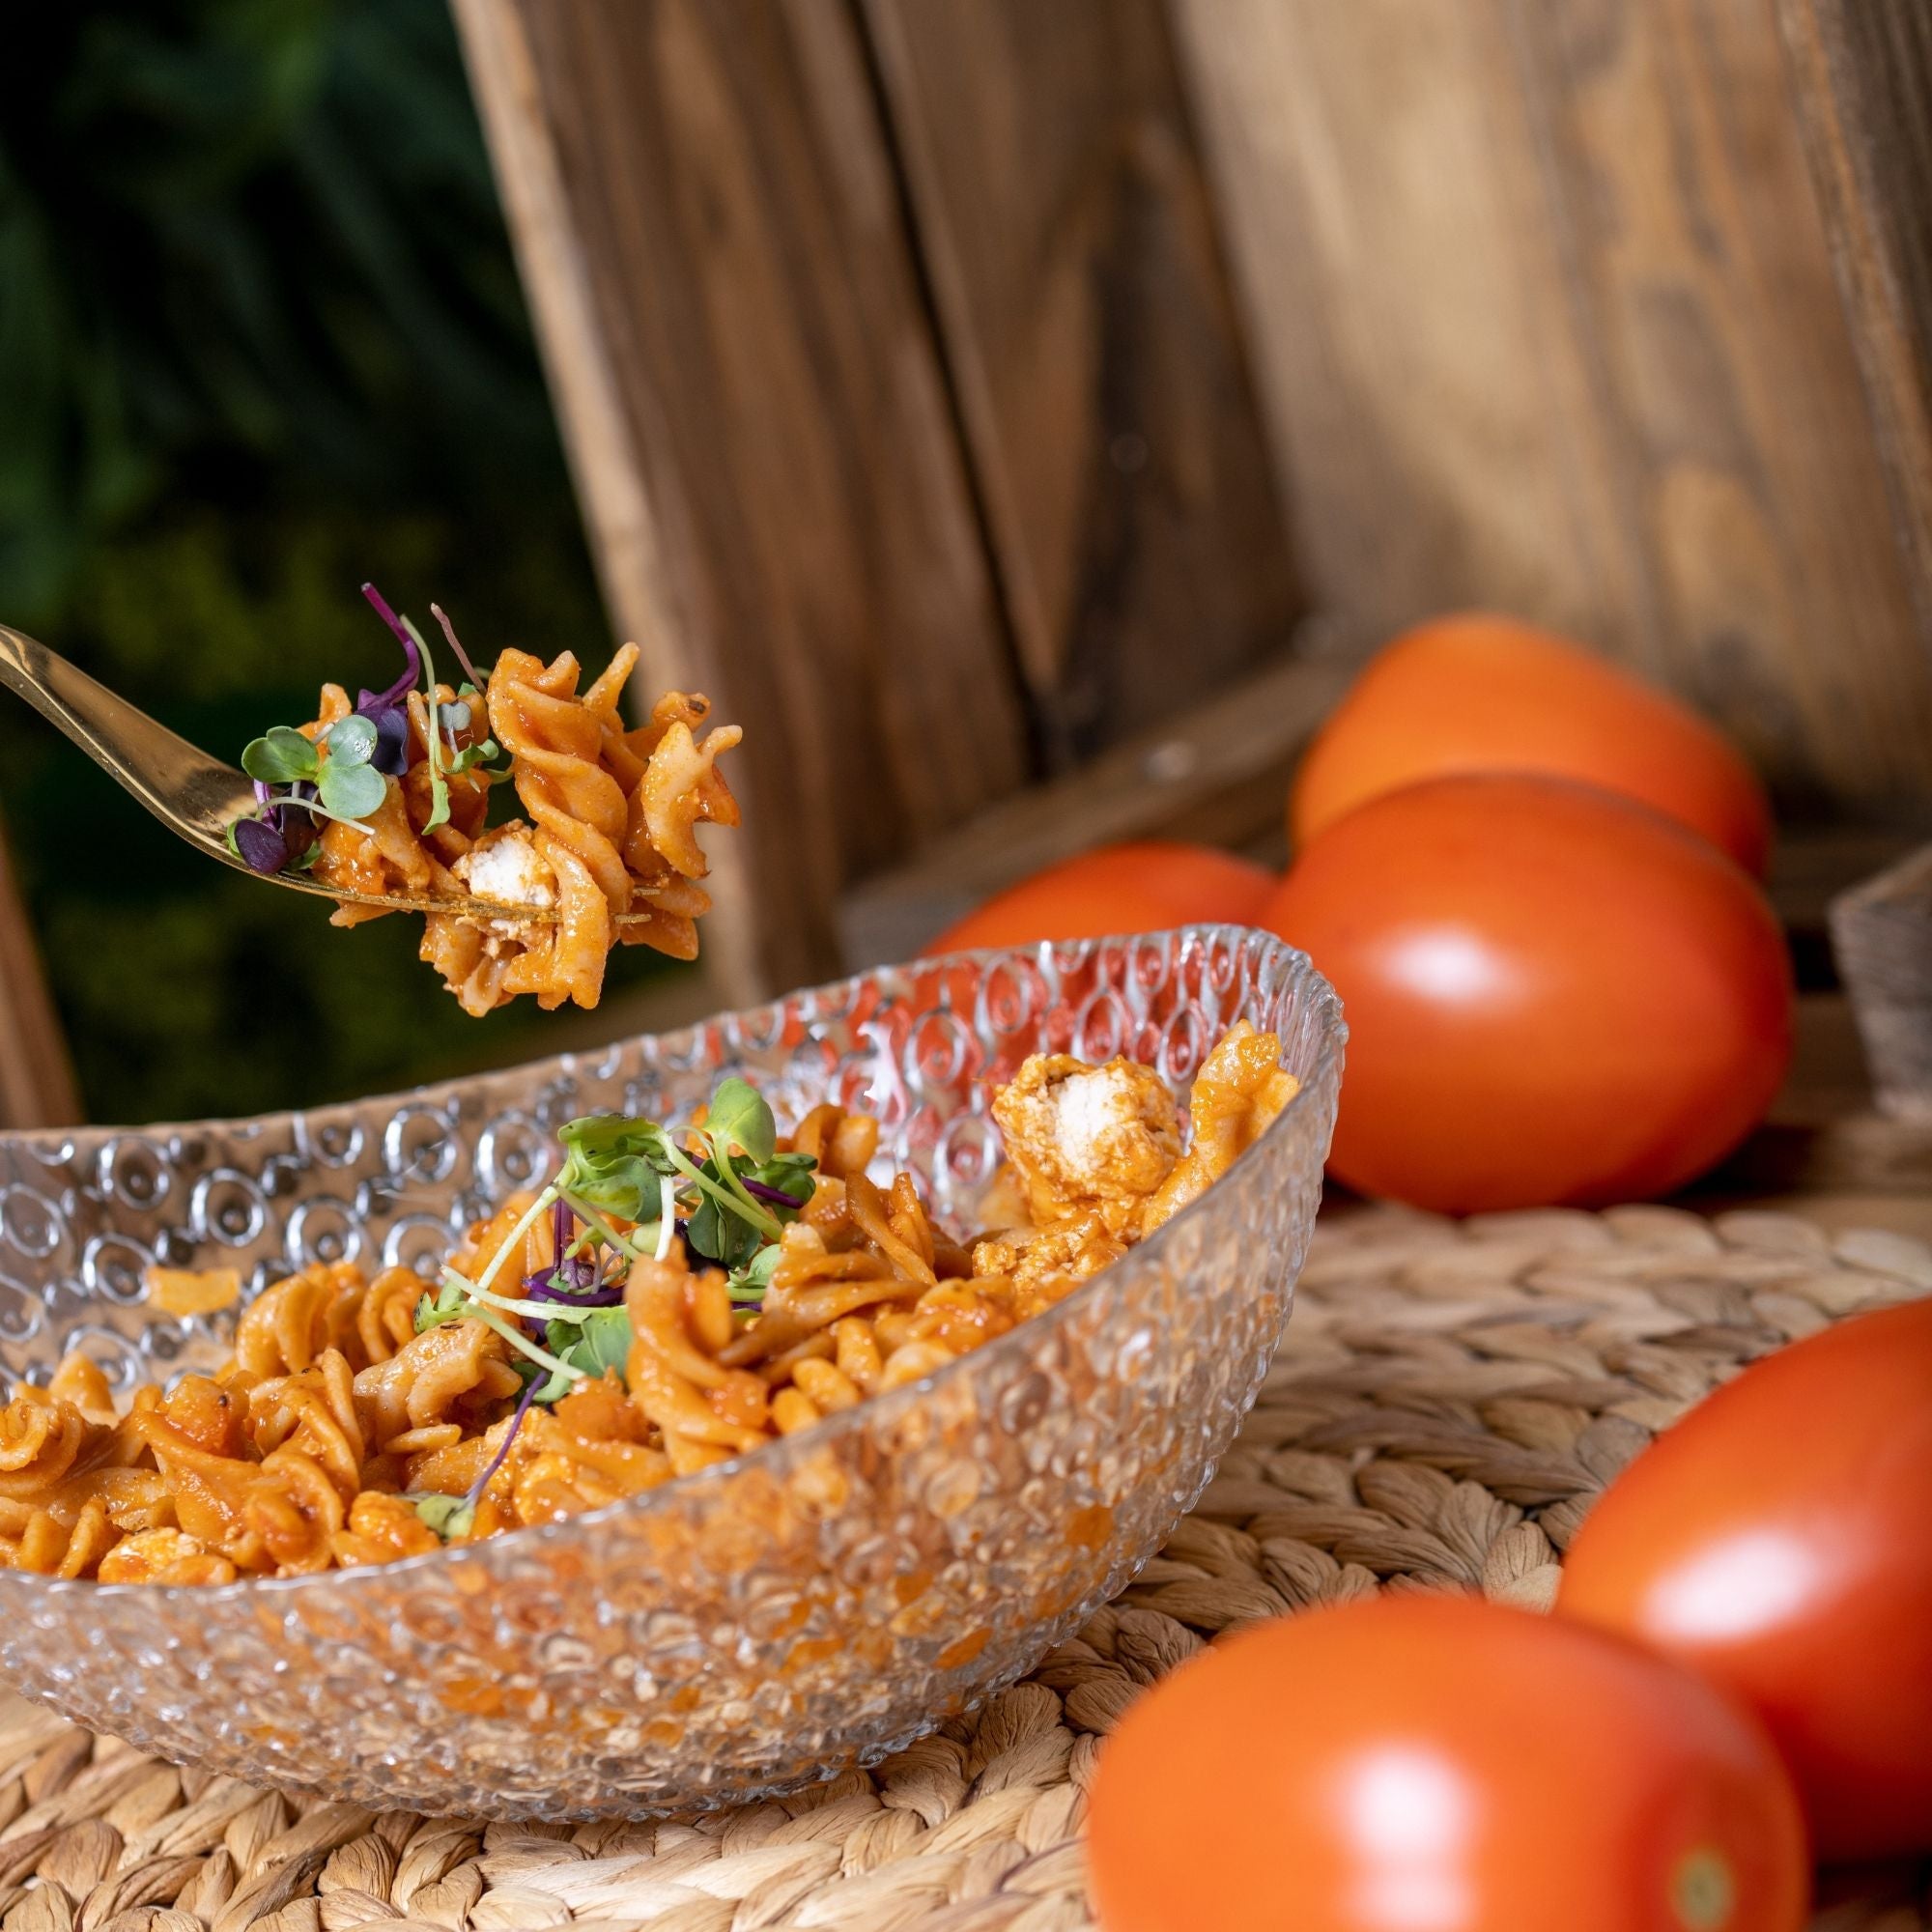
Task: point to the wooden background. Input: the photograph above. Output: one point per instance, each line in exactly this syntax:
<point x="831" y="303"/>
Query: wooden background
<point x="1020" y="415"/>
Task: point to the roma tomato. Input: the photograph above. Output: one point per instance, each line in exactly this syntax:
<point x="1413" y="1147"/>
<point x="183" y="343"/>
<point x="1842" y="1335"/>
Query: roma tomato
<point x="1485" y="694"/>
<point x="1422" y="1761"/>
<point x="1552" y="995"/>
<point x="1145" y="886"/>
<point x="1779" y="1539"/>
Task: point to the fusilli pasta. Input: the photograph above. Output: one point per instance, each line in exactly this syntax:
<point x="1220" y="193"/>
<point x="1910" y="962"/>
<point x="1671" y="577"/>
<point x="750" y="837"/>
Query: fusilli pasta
<point x="362" y="1420"/>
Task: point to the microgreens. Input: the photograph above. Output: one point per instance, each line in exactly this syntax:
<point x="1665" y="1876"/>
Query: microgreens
<point x="749" y="1283"/>
<point x="625" y="1190"/>
<point x="341" y="773"/>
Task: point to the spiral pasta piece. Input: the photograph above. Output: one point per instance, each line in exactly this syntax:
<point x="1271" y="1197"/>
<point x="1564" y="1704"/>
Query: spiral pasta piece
<point x="449" y="1373"/>
<point x="52" y="1547"/>
<point x="608" y="833"/>
<point x="290" y="1324"/>
<point x="40" y="1439"/>
<point x="1238" y="1094"/>
<point x="314" y="1415"/>
<point x="385" y="1321"/>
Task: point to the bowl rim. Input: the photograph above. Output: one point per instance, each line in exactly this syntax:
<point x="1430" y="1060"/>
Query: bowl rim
<point x="875" y="1412"/>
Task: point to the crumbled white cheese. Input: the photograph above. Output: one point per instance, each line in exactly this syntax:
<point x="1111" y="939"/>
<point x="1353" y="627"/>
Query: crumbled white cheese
<point x="507" y="867"/>
<point x="1089" y="1108"/>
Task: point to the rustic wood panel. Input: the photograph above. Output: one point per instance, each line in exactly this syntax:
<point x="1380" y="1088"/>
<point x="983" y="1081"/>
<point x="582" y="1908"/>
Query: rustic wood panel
<point x="1544" y="317"/>
<point x="1217" y="772"/>
<point x="1066" y="224"/>
<point x="715" y="247"/>
<point x="1862" y="82"/>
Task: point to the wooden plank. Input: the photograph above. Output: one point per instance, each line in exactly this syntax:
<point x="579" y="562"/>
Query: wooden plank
<point x="1218" y="773"/>
<point x="1544" y="314"/>
<point x="1090" y="336"/>
<point x="36" y="1084"/>
<point x="716" y="252"/>
<point x="1862" y="75"/>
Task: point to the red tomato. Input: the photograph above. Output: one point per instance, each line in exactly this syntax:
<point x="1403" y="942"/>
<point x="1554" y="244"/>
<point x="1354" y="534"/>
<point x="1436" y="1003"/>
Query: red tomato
<point x="1552" y="995"/>
<point x="1483" y="694"/>
<point x="1423" y="1762"/>
<point x="1779" y="1539"/>
<point x="1140" y="887"/>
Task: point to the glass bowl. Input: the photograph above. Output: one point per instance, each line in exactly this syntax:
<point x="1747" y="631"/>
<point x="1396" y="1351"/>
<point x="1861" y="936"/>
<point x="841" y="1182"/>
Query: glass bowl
<point x="812" y="1606"/>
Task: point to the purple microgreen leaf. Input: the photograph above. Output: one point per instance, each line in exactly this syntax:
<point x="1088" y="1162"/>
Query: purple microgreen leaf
<point x="259" y="845"/>
<point x="373" y="702"/>
<point x="391" y="755"/>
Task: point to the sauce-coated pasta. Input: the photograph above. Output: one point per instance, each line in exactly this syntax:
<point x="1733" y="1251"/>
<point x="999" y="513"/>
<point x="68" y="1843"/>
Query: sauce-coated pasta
<point x="662" y="1305"/>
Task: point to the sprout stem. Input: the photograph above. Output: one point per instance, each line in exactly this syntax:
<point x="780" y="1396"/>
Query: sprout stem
<point x="746" y="1209"/>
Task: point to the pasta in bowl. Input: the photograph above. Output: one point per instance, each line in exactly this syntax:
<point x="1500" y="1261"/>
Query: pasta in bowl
<point x="764" y="1618"/>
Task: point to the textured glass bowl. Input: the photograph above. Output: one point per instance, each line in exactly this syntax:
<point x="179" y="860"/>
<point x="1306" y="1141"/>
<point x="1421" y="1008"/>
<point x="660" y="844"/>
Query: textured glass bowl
<point x="812" y="1606"/>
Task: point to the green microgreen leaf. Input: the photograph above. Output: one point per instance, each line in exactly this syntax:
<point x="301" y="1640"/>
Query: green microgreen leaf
<point x="722" y="1237"/>
<point x="474" y="757"/>
<point x="350" y="741"/>
<point x="351" y="791"/>
<point x="283" y="756"/>
<point x="740" y="1115"/>
<point x="752" y="1281"/>
<point x="448" y="1515"/>
<point x="613" y="1165"/>
<point x="730" y="1229"/>
<point x="447" y="1303"/>
<point x="597" y="1345"/>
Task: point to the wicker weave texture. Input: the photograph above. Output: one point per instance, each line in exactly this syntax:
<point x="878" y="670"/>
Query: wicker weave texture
<point x="1448" y="1401"/>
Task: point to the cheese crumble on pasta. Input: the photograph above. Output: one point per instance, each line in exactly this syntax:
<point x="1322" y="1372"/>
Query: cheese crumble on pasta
<point x="666" y="1302"/>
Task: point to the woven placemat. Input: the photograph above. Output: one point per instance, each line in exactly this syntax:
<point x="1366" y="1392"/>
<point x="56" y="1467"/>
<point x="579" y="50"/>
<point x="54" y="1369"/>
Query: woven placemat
<point x="1448" y="1401"/>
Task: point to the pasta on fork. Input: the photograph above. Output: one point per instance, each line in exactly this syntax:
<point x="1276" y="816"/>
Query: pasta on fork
<point x="666" y="1302"/>
<point x="391" y="795"/>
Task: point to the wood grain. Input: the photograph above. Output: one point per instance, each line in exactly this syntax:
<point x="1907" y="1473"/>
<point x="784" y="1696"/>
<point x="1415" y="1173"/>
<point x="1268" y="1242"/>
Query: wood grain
<point x="1544" y="317"/>
<point x="1217" y="773"/>
<point x="1862" y="85"/>
<point x="713" y="238"/>
<point x="1090" y="336"/>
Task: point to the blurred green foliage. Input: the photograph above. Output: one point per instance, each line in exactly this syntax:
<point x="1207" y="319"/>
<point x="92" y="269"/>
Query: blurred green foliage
<point x="261" y="338"/>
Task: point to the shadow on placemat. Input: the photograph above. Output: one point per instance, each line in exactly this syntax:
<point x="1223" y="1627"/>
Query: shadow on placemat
<point x="1447" y="1402"/>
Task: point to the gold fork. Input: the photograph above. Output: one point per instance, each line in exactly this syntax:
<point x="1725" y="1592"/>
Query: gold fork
<point x="193" y="795"/>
